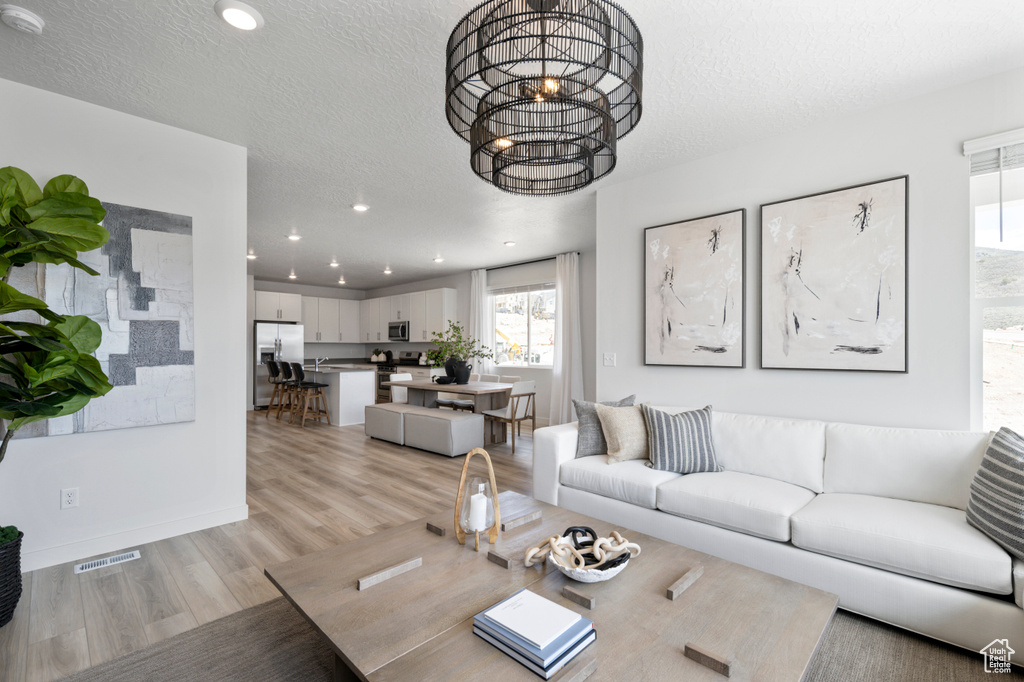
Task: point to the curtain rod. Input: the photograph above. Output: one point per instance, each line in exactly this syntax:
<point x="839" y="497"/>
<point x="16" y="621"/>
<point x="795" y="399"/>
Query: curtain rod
<point x="526" y="262"/>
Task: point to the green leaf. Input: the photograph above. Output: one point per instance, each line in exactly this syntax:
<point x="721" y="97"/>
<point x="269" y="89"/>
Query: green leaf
<point x="73" y="404"/>
<point x="29" y="193"/>
<point x="50" y="373"/>
<point x="79" y="233"/>
<point x="68" y="205"/>
<point x="12" y="300"/>
<point x="28" y="408"/>
<point x="85" y="334"/>
<point x="17" y="422"/>
<point x="65" y="183"/>
<point x="89" y="372"/>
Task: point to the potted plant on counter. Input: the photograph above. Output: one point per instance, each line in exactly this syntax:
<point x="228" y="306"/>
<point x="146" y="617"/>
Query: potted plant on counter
<point x="47" y="367"/>
<point x="454" y="349"/>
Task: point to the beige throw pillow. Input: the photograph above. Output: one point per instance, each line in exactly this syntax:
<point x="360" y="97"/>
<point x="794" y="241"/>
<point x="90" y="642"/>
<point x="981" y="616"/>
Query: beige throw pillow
<point x="625" y="430"/>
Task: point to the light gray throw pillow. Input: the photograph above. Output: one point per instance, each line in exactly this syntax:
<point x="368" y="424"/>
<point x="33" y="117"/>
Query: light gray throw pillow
<point x="591" y="437"/>
<point x="996" y="504"/>
<point x="680" y="442"/>
<point x="625" y="432"/>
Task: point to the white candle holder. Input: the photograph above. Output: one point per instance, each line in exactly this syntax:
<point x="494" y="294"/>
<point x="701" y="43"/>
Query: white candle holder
<point x="476" y="505"/>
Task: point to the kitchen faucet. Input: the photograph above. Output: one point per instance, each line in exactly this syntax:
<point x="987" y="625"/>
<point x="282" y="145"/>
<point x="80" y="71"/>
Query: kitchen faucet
<point x="316" y="363"/>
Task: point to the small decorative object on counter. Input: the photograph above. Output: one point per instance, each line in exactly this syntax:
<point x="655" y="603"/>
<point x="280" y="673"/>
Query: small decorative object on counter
<point x="581" y="555"/>
<point x="476" y="505"/>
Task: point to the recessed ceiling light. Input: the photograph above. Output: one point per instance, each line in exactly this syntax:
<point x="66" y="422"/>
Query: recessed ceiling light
<point x="21" y="19"/>
<point x="510" y="243"/>
<point x="251" y="256"/>
<point x="292" y="276"/>
<point x="341" y="281"/>
<point x="334" y="263"/>
<point x="387" y="270"/>
<point x="294" y="237"/>
<point x="439" y="260"/>
<point x="238" y="14"/>
<point x="360" y="207"/>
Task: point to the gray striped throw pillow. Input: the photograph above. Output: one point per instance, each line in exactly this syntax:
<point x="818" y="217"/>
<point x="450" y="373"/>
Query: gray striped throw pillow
<point x="996" y="504"/>
<point x="680" y="442"/>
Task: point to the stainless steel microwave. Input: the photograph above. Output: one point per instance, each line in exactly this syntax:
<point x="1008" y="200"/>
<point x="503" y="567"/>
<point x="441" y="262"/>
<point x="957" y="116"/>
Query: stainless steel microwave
<point x="398" y="331"/>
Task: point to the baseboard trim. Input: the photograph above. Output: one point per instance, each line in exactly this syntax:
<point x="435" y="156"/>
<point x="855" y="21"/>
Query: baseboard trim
<point x="129" y="539"/>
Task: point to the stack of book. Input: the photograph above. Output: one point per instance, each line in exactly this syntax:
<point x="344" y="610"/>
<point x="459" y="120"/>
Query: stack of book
<point x="537" y="632"/>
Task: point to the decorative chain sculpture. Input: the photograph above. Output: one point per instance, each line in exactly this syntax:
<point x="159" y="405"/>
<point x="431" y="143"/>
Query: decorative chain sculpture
<point x="588" y="552"/>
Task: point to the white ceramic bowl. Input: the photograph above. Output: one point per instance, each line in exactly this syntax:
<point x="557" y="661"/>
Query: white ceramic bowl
<point x="588" y="575"/>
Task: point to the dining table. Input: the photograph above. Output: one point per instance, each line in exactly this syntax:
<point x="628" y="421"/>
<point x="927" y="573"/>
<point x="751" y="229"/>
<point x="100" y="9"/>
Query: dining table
<point x="486" y="395"/>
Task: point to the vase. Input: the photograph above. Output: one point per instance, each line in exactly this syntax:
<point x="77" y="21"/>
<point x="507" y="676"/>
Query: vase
<point x="449" y="366"/>
<point x="462" y="371"/>
<point x="10" y="578"/>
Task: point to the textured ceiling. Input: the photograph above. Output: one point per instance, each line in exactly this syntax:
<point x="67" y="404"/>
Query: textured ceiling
<point x="341" y="101"/>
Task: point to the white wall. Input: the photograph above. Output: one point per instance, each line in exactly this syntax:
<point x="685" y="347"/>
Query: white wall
<point x="143" y="484"/>
<point x="921" y="137"/>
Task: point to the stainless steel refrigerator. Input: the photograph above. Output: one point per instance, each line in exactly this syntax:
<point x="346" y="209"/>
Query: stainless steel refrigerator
<point x="280" y="342"/>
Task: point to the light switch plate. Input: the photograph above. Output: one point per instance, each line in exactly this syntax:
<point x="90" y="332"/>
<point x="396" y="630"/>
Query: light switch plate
<point x="609" y="359"/>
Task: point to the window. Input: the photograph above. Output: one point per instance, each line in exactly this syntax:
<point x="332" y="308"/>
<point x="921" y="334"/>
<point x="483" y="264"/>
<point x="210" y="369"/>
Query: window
<point x="524" y="326"/>
<point x="997" y="206"/>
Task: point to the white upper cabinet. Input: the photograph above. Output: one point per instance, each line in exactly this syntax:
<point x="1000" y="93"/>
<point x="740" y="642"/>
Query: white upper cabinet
<point x="274" y="307"/>
<point x="310" y="323"/>
<point x="440" y="309"/>
<point x="369" y="320"/>
<point x="400" y="308"/>
<point x="348" y="321"/>
<point x="383" y="317"/>
<point x="319" y="319"/>
<point x="418" y="316"/>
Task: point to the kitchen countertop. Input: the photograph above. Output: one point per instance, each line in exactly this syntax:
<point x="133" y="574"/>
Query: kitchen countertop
<point x="335" y="369"/>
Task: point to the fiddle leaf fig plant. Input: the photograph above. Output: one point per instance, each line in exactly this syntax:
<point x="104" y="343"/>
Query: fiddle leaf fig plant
<point x="47" y="369"/>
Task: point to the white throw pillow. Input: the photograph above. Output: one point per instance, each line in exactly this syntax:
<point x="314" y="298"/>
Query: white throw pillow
<point x="625" y="430"/>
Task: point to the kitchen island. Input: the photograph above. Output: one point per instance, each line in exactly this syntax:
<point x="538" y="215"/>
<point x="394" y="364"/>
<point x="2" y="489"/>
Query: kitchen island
<point x="349" y="390"/>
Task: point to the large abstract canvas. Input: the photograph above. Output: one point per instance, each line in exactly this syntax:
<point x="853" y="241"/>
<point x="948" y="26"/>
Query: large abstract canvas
<point x="834" y="280"/>
<point x="693" y="273"/>
<point x="142" y="300"/>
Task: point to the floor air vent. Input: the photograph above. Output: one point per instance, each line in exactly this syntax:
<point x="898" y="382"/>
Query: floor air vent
<point x="108" y="561"/>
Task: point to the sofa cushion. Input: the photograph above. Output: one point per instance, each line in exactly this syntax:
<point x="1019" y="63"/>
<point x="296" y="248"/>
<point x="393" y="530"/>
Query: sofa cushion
<point x="996" y="504"/>
<point x="625" y="431"/>
<point x="922" y="540"/>
<point x="790" y="450"/>
<point x="749" y="504"/>
<point x="680" y="442"/>
<point x="919" y="465"/>
<point x="629" y="481"/>
<point x="591" y="438"/>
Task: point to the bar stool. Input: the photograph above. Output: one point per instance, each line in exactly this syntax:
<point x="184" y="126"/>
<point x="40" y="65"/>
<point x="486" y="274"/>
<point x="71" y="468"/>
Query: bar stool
<point x="287" y="398"/>
<point x="274" y="372"/>
<point x="305" y="393"/>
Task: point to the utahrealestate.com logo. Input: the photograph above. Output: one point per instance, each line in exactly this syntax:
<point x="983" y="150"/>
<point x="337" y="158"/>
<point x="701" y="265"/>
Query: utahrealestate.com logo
<point x="997" y="656"/>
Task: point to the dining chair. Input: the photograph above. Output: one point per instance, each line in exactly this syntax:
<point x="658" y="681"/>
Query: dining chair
<point x="521" y="406"/>
<point x="399" y="394"/>
<point x="509" y="379"/>
<point x="491" y="378"/>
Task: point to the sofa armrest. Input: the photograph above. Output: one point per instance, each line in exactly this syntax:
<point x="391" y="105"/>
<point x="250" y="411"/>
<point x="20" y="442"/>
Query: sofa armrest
<point x="552" y="447"/>
<point x="1018" y="582"/>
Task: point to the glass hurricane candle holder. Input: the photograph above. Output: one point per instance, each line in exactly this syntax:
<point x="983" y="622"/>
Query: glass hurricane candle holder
<point x="476" y="504"/>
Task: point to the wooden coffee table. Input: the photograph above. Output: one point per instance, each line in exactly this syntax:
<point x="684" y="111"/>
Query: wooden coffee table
<point x="418" y="625"/>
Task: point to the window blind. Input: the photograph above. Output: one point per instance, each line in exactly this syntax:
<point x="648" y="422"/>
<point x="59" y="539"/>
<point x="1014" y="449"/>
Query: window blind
<point x="992" y="160"/>
<point x="523" y="289"/>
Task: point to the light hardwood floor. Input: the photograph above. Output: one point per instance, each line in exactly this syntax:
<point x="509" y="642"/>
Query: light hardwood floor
<point x="308" y="489"/>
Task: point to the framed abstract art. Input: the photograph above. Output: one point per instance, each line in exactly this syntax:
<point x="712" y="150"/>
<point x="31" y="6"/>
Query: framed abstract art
<point x="834" y="279"/>
<point x="693" y="289"/>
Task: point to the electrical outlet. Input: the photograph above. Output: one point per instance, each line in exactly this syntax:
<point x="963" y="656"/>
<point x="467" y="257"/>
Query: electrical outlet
<point x="68" y="498"/>
<point x="609" y="359"/>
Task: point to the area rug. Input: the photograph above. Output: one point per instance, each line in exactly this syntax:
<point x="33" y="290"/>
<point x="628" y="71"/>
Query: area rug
<point x="272" y="642"/>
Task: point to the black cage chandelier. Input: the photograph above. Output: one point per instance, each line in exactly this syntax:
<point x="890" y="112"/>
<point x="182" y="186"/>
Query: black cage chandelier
<point x="543" y="89"/>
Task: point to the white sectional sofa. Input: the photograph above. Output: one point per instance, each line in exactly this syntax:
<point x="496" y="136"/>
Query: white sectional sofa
<point x="874" y="515"/>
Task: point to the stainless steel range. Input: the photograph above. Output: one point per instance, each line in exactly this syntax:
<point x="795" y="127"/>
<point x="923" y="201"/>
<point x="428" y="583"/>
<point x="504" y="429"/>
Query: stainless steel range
<point x="384" y="372"/>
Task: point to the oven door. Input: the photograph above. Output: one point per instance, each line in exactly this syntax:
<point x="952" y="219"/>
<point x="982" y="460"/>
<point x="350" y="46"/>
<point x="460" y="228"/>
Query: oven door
<point x="398" y="331"/>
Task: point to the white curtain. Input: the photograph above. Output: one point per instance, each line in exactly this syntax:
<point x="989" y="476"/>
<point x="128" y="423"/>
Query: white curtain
<point x="567" y="375"/>
<point x="481" y="318"/>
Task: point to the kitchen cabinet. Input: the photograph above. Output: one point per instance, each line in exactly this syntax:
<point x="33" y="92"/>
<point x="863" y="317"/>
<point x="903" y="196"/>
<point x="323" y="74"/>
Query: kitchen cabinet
<point x="348" y="321"/>
<point x="320" y="319"/>
<point x="273" y="306"/>
<point x="384" y="316"/>
<point x="418" y="316"/>
<point x="369" y="320"/>
<point x="400" y="308"/>
<point x="439" y="307"/>
<point x="422" y="372"/>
